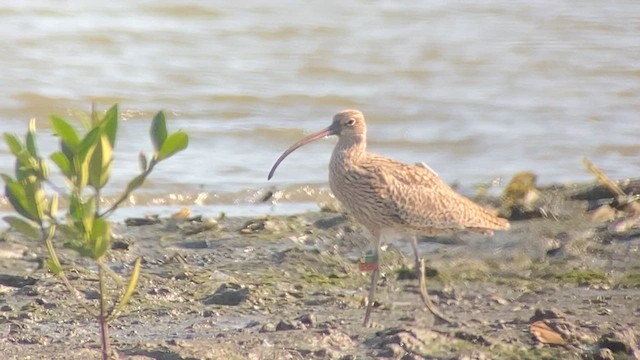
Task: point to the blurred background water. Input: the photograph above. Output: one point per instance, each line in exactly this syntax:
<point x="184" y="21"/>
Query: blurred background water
<point x="477" y="90"/>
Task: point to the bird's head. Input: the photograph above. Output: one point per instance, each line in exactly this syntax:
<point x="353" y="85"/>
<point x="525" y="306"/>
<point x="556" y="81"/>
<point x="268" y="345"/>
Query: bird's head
<point x="347" y="124"/>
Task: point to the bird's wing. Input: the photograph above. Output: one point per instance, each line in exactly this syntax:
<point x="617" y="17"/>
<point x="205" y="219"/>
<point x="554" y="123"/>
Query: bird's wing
<point x="423" y="202"/>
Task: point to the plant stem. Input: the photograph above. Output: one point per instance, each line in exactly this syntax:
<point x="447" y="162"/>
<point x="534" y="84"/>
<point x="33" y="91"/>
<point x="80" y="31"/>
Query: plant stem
<point x="126" y="194"/>
<point x="48" y="240"/>
<point x="102" y="318"/>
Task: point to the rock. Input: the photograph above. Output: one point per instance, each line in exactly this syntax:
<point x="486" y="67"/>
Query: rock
<point x="120" y="245"/>
<point x="326" y="353"/>
<point x="252" y="324"/>
<point x="545" y="334"/>
<point x="267" y="328"/>
<point x="540" y="314"/>
<point x="262" y="224"/>
<point x="623" y="341"/>
<point x="16" y="281"/>
<point x="327" y="223"/>
<point x="604" y="354"/>
<point x="308" y="319"/>
<point x="147" y="220"/>
<point x="45" y="304"/>
<point x="473" y="338"/>
<point x="474" y="356"/>
<point x="625" y="227"/>
<point x="393" y="351"/>
<point x="498" y="300"/>
<point x="290" y="325"/>
<point x="204" y="224"/>
<point x="10" y="250"/>
<point x="182" y="214"/>
<point x="597" y="191"/>
<point x="336" y="340"/>
<point x="604" y="214"/>
<point x="551" y="327"/>
<point x="228" y="294"/>
<point x="210" y="313"/>
<point x="410" y="341"/>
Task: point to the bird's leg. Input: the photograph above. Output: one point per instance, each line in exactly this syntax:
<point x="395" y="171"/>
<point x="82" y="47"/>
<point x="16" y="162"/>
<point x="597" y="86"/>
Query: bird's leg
<point x="420" y="272"/>
<point x="372" y="289"/>
<point x="374" y="278"/>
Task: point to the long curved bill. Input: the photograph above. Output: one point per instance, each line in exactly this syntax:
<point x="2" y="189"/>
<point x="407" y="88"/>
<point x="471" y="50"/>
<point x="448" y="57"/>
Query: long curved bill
<point x="305" y="140"/>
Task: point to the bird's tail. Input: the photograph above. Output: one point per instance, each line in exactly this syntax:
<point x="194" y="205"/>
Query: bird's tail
<point x="486" y="222"/>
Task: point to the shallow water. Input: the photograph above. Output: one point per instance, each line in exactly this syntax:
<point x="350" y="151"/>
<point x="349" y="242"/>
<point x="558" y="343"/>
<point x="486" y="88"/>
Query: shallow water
<point x="477" y="91"/>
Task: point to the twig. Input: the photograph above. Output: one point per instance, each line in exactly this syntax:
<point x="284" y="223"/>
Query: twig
<point x="630" y="203"/>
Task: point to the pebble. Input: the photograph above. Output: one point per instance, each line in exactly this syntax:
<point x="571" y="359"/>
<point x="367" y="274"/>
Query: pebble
<point x="228" y="294"/>
<point x="268" y="327"/>
<point x="285" y="325"/>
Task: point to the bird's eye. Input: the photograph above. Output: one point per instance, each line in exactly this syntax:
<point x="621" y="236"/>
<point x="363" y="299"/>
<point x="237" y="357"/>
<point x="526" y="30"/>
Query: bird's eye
<point x="351" y="122"/>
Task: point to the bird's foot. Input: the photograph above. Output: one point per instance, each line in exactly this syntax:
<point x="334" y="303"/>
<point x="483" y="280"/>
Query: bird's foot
<point x="439" y="318"/>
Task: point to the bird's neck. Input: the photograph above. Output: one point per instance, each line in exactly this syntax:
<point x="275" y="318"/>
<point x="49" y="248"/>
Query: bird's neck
<point x="350" y="149"/>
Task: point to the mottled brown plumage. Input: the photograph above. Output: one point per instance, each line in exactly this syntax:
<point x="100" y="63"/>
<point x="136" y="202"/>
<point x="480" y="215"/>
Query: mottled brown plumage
<point x="384" y="194"/>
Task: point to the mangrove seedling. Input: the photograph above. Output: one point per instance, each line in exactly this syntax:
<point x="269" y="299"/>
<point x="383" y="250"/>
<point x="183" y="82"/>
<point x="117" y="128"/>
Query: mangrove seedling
<point x="84" y="160"/>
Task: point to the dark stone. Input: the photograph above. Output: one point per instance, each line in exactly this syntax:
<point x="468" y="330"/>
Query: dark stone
<point x="473" y="338"/>
<point x="329" y="223"/>
<point x="541" y="314"/>
<point x="149" y="220"/>
<point x="228" y="294"/>
<point x="16" y="281"/>
<point x="621" y="341"/>
<point x="290" y="325"/>
<point x="308" y="319"/>
<point x="120" y="245"/>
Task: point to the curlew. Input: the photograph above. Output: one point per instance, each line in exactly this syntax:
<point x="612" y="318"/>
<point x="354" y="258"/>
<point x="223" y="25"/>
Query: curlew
<point x="383" y="194"/>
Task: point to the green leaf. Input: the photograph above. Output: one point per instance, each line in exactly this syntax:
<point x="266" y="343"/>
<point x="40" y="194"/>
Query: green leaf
<point x="53" y="205"/>
<point x="110" y="124"/>
<point x="89" y="214"/>
<point x="38" y="199"/>
<point x="60" y="159"/>
<point x="131" y="287"/>
<point x="31" y="139"/>
<point x="26" y="228"/>
<point x="26" y="166"/>
<point x="136" y="182"/>
<point x="17" y="195"/>
<point x="43" y="170"/>
<point x="66" y="132"/>
<point x="176" y="142"/>
<point x="100" y="165"/>
<point x="158" y="130"/>
<point x="14" y="144"/>
<point x="88" y="143"/>
<point x="100" y="238"/>
<point x="81" y="169"/>
<point x="76" y="210"/>
<point x="68" y="152"/>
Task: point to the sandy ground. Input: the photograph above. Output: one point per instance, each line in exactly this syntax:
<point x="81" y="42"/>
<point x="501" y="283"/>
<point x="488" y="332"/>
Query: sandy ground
<point x="290" y="288"/>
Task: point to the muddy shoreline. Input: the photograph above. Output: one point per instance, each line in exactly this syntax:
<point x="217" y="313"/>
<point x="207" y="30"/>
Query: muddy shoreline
<point x="288" y="287"/>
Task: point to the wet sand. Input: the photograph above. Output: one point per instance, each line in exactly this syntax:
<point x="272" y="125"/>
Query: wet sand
<point x="289" y="288"/>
